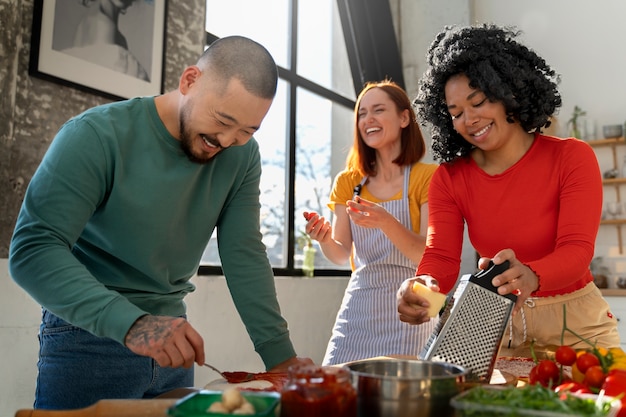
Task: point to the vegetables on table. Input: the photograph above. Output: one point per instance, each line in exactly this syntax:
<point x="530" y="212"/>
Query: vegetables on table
<point x="546" y="373"/>
<point x="573" y="387"/>
<point x="595" y="370"/>
<point x="531" y="397"/>
<point x="565" y="355"/>
<point x="586" y="361"/>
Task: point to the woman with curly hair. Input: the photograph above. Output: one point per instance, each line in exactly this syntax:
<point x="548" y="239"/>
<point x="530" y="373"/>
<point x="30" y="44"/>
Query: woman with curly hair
<point x="532" y="199"/>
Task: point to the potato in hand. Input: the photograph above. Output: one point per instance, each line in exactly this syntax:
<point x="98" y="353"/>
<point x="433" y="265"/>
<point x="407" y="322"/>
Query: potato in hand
<point x="436" y="299"/>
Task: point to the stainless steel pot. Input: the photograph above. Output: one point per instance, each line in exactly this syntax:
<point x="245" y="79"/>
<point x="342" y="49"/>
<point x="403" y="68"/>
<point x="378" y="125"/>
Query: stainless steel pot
<point x="403" y="388"/>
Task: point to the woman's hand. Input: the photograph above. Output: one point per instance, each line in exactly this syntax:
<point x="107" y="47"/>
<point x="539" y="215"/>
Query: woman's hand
<point x="317" y="227"/>
<point x="365" y="213"/>
<point x="412" y="308"/>
<point x="519" y="279"/>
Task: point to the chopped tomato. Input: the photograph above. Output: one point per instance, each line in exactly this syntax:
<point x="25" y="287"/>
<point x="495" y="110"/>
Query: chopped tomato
<point x="573" y="387"/>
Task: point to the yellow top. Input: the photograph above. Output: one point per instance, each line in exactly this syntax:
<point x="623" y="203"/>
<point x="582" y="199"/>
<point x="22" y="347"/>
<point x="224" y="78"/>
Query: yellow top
<point x="421" y="173"/>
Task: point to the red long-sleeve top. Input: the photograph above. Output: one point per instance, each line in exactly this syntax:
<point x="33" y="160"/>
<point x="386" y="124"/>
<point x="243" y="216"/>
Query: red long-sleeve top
<point x="547" y="208"/>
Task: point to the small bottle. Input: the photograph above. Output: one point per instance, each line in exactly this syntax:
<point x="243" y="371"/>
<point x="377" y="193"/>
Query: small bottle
<point x="624" y="168"/>
<point x="318" y="391"/>
<point x="308" y="263"/>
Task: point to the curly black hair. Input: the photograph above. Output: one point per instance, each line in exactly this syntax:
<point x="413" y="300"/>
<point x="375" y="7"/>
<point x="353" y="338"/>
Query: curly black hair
<point x="502" y="68"/>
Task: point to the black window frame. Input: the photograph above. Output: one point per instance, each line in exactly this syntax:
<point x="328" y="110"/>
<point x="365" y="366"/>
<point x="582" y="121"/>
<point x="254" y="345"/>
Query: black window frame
<point x="373" y="54"/>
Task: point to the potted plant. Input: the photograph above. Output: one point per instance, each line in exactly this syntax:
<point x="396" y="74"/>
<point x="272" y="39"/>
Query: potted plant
<point x="573" y="122"/>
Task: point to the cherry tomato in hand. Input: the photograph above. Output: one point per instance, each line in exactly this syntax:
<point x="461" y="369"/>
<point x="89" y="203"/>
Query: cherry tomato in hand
<point x="586" y="361"/>
<point x="307" y="215"/>
<point x="565" y="355"/>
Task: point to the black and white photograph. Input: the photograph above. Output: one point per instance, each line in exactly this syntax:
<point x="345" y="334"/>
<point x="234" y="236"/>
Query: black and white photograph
<point x="114" y="47"/>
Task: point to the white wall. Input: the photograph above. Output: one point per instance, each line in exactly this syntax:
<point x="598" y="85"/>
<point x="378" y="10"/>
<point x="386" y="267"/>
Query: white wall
<point x="309" y="305"/>
<point x="584" y="42"/>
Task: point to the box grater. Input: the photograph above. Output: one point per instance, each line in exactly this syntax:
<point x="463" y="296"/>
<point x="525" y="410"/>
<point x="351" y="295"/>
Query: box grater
<point x="472" y="324"/>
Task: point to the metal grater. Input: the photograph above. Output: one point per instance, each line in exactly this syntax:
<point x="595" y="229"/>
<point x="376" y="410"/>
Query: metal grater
<point x="472" y="324"/>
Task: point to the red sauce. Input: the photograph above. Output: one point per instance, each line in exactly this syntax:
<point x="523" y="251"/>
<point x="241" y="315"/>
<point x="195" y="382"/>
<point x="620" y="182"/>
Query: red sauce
<point x="314" y="391"/>
<point x="277" y="379"/>
<point x="237" y="377"/>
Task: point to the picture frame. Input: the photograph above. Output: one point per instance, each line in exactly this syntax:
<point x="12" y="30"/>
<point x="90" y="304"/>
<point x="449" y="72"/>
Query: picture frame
<point x="67" y="47"/>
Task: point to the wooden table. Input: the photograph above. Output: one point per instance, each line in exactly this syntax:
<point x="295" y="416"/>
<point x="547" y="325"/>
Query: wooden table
<point x="109" y="408"/>
<point x="118" y="408"/>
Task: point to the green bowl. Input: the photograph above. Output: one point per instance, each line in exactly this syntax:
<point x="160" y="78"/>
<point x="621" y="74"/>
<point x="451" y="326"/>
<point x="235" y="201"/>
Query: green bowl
<point x="197" y="404"/>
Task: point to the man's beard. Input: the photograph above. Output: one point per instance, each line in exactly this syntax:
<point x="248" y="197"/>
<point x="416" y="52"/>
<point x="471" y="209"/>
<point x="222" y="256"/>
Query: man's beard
<point x="186" y="140"/>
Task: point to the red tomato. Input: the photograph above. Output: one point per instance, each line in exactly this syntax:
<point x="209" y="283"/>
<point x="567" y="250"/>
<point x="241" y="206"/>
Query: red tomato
<point x="565" y="355"/>
<point x="617" y="371"/>
<point x="307" y="215"/>
<point x="586" y="361"/>
<point x="547" y="373"/>
<point x="573" y="387"/>
<point x="614" y="385"/>
<point x="532" y="375"/>
<point x="594" y="376"/>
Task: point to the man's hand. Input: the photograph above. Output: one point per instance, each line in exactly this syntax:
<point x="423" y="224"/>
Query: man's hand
<point x="171" y="341"/>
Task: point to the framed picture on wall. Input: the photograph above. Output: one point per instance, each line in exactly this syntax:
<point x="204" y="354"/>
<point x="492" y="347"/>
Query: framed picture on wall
<point x="115" y="49"/>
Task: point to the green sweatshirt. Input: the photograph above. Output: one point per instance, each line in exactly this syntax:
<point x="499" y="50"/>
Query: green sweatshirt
<point x="116" y="218"/>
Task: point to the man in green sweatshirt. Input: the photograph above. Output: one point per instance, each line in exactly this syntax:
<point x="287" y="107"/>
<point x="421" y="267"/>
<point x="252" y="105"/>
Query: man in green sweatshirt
<point x="115" y="221"/>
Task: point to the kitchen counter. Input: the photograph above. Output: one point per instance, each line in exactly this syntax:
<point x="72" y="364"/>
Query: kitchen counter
<point x="158" y="407"/>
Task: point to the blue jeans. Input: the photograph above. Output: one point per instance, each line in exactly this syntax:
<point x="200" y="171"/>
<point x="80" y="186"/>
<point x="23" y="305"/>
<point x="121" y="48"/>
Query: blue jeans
<point x="77" y="369"/>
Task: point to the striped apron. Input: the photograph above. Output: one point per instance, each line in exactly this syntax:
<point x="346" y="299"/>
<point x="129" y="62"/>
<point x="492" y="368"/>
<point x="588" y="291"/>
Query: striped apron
<point x="367" y="323"/>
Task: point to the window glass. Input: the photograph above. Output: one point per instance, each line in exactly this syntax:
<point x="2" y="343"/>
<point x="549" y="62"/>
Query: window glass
<point x="272" y="139"/>
<point x="323" y="136"/>
<point x="306" y="134"/>
<point x="267" y="22"/>
<point x="322" y="55"/>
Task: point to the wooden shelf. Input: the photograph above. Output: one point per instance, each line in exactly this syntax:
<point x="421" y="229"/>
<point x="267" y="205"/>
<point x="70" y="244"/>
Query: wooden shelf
<point x="614" y="181"/>
<point x="613" y="292"/>
<point x="613" y="143"/>
<point x="607" y="142"/>
<point x="613" y="221"/>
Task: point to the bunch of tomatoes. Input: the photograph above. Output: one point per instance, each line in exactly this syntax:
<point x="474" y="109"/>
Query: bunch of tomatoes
<point x="593" y="370"/>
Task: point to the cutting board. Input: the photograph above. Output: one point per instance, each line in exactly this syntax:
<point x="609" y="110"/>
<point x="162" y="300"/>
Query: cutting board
<point x="109" y="408"/>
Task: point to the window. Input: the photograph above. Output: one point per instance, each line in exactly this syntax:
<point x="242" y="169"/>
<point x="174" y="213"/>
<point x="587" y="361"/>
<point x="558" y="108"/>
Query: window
<point x="306" y="135"/>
